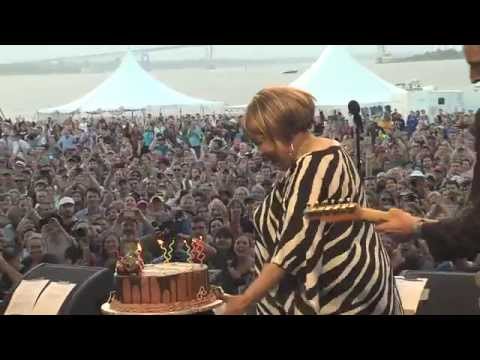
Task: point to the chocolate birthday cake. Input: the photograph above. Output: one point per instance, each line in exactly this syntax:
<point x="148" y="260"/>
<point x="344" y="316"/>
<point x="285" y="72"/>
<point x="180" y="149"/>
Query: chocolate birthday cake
<point x="161" y="288"/>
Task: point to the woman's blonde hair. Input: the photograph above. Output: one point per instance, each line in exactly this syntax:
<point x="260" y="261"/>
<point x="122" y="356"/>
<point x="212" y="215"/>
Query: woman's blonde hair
<point x="217" y="203"/>
<point x="279" y="113"/>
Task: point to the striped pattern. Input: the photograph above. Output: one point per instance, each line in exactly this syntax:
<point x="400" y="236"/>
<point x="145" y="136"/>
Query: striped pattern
<point x="331" y="268"/>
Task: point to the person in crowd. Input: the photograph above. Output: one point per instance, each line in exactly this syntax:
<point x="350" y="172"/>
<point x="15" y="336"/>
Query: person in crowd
<point x="110" y="250"/>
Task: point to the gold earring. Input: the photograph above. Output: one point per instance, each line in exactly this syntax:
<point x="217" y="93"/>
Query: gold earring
<point x="292" y="150"/>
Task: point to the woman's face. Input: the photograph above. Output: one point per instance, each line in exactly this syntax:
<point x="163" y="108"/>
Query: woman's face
<point x="242" y="246"/>
<point x="130" y="202"/>
<point x="152" y="187"/>
<point x="203" y="212"/>
<point x="111" y="246"/>
<point x="243" y="148"/>
<point x="276" y="152"/>
<point x="266" y="172"/>
<point x="217" y="211"/>
<point x="77" y="197"/>
<point x="241" y="194"/>
<point x="195" y="173"/>
<point x="223" y="243"/>
<point x="391" y="186"/>
<point x="427" y="163"/>
<point x="434" y="198"/>
<point x="214" y="226"/>
<point x="188" y="203"/>
<point x="36" y="247"/>
<point x="6" y="203"/>
<point x="386" y="202"/>
<point x="14" y="196"/>
<point x="112" y="214"/>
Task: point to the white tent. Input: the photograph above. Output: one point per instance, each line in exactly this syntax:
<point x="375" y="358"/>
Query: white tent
<point x="336" y="78"/>
<point x="130" y="87"/>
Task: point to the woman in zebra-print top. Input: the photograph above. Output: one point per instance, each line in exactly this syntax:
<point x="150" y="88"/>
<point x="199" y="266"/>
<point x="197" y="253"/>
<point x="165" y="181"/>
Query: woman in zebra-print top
<point x="306" y="266"/>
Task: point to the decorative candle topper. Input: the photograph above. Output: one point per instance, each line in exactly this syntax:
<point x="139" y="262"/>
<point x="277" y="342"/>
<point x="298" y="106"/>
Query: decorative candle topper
<point x="199" y="248"/>
<point x="170" y="251"/>
<point x="164" y="250"/>
<point x="189" y="251"/>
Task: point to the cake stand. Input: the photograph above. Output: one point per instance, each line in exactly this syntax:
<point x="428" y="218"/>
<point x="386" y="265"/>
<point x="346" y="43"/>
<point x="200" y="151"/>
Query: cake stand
<point x="107" y="310"/>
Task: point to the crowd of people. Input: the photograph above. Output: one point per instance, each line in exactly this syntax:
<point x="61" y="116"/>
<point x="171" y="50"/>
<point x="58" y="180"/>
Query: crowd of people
<point x="75" y="192"/>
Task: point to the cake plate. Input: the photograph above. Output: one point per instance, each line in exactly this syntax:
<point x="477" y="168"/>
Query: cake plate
<point x="107" y="310"/>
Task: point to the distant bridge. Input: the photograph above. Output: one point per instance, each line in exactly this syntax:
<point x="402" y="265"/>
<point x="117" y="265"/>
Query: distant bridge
<point x="144" y="53"/>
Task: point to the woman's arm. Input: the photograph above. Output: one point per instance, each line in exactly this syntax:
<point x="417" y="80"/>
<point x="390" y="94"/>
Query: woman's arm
<point x="209" y="250"/>
<point x="269" y="277"/>
<point x="235" y="225"/>
<point x="109" y="178"/>
<point x="148" y="228"/>
<point x="93" y="182"/>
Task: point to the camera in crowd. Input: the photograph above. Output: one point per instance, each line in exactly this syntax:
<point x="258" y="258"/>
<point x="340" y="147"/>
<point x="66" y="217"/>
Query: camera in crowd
<point x="81" y="233"/>
<point x="217" y="144"/>
<point x="48" y="220"/>
<point x="169" y="229"/>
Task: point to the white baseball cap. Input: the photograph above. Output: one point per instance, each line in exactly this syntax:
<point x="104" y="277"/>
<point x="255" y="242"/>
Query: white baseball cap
<point x="66" y="200"/>
<point x="417" y="173"/>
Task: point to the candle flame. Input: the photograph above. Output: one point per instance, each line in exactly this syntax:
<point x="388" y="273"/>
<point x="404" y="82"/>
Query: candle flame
<point x="164" y="251"/>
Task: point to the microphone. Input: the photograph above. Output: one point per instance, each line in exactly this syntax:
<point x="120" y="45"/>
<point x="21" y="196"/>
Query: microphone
<point x="354" y="109"/>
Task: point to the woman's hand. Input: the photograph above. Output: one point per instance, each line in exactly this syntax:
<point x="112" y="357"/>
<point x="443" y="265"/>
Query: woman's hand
<point x="234" y="273"/>
<point x="236" y="215"/>
<point x="235" y="304"/>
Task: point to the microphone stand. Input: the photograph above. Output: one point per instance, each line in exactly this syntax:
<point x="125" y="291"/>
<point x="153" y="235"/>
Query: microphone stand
<point x="354" y="109"/>
<point x="357" y="141"/>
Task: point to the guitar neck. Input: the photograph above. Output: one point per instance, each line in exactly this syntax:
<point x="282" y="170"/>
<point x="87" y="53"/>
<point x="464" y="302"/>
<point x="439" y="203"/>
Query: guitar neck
<point x="373" y="215"/>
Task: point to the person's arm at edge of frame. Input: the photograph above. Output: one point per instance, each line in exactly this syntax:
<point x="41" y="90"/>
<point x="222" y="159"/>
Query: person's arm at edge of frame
<point x="270" y="276"/>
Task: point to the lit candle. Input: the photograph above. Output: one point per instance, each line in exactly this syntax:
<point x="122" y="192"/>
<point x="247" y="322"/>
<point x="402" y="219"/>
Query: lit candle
<point x="140" y="250"/>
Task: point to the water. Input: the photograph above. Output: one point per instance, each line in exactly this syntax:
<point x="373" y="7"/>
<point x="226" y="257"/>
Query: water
<point x="24" y="94"/>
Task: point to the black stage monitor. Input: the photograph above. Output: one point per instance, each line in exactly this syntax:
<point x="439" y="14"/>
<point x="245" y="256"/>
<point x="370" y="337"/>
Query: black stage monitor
<point x="92" y="289"/>
<point x="449" y="293"/>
